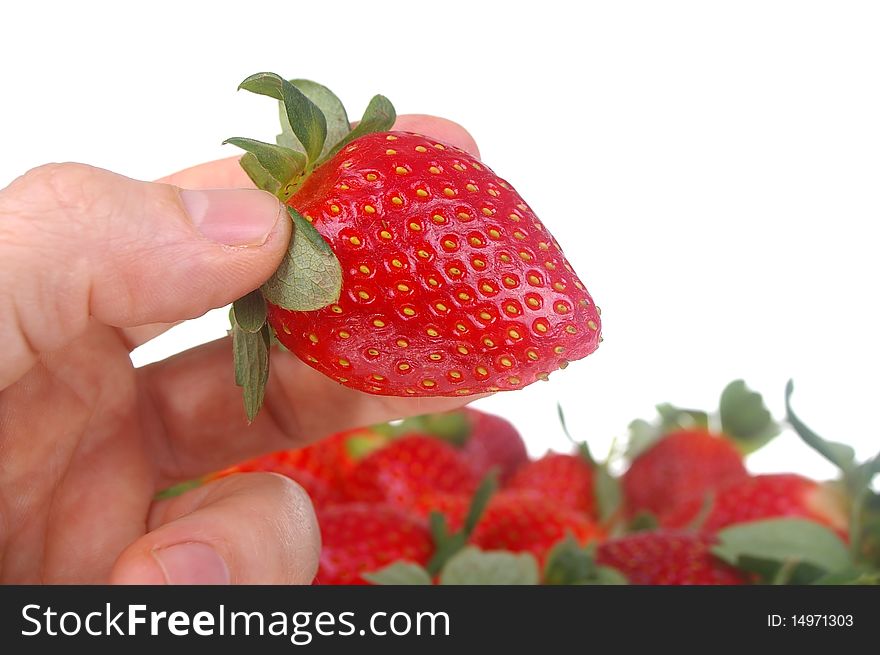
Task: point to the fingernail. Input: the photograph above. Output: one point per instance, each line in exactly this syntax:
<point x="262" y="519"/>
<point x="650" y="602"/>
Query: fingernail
<point x="235" y="217"/>
<point x="192" y="563"/>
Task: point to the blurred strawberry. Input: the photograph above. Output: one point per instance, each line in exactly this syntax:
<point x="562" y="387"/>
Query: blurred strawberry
<point x="679" y="467"/>
<point x="487" y="441"/>
<point x="763" y="497"/>
<point x="320" y="491"/>
<point x="359" y="538"/>
<point x="526" y="521"/>
<point x="566" y="480"/>
<point x="334" y="457"/>
<point x="329" y="460"/>
<point x="408" y="468"/>
<point x="452" y="505"/>
<point x="493" y="443"/>
<point x="667" y="558"/>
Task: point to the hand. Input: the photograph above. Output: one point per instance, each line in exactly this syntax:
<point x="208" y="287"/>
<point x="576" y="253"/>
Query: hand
<point x="93" y="265"/>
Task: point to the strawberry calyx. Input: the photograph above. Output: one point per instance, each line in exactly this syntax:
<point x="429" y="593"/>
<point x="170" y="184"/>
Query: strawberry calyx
<point x="454" y="427"/>
<point x="856" y="477"/>
<point x="606" y="486"/>
<point x="314" y="127"/>
<point x="451" y="549"/>
<point x="570" y="563"/>
<point x="448" y="544"/>
<point x="741" y="417"/>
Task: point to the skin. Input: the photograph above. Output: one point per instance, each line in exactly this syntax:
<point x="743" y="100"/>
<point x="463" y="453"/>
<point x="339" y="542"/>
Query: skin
<point x="94" y="264"/>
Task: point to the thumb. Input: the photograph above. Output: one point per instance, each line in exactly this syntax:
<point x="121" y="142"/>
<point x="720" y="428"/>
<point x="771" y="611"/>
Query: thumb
<point x="80" y="243"/>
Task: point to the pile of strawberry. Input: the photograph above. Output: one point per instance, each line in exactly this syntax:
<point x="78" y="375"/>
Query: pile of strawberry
<point x="454" y="498"/>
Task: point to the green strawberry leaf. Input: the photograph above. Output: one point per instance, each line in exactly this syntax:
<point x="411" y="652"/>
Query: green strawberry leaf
<point x="642" y="436"/>
<point x="284" y="166"/>
<point x="362" y="444"/>
<point x="472" y="566"/>
<point x="304" y="117"/>
<point x="869" y="533"/>
<point x="856" y="477"/>
<point x="568" y="563"/>
<point x="399" y="573"/>
<point x="609" y="496"/>
<point x="850" y="576"/>
<point x="330" y="105"/>
<point x="378" y="117"/>
<point x="309" y="276"/>
<point x="768" y="544"/>
<point x="261" y="178"/>
<point x="446" y="544"/>
<point x="482" y="496"/>
<point x="838" y="454"/>
<point x="582" y="447"/>
<point x="250" y="311"/>
<point x="454" y="426"/>
<point x="251" y="355"/>
<point x="608" y="575"/>
<point x="675" y="418"/>
<point x="177" y="489"/>
<point x="708" y="502"/>
<point x="744" y="418"/>
<point x="643" y="521"/>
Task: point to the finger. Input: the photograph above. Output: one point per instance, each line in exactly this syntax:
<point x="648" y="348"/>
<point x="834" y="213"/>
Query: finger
<point x="203" y="426"/>
<point x="255" y="528"/>
<point x="219" y="174"/>
<point x="441" y="129"/>
<point x="80" y="243"/>
<point x="227" y="173"/>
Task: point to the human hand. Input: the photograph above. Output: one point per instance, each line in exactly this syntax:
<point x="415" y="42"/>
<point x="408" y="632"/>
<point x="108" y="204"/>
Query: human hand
<point x="93" y="265"/>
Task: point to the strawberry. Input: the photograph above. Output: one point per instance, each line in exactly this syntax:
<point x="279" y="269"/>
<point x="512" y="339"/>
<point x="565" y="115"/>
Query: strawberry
<point x="453" y="506"/>
<point x="451" y="284"/>
<point x="682" y="465"/>
<point x="407" y="468"/>
<point x="321" y="491"/>
<point x="525" y="521"/>
<point x="493" y="444"/>
<point x="667" y="558"/>
<point x="565" y="479"/>
<point x="359" y="538"/>
<point x="334" y="457"/>
<point x="447" y="282"/>
<point x="764" y="497"/>
<point x="488" y="442"/>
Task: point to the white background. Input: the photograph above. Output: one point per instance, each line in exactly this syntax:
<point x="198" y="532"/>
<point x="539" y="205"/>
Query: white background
<point x="711" y="168"/>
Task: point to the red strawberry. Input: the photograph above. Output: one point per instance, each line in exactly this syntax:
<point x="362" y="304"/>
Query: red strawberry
<point x="451" y="284"/>
<point x="564" y="479"/>
<point x="667" y="558"/>
<point x="407" y="468"/>
<point x="488" y="442"/>
<point x="493" y="443"/>
<point x="453" y="506"/>
<point x="321" y="492"/>
<point x="359" y="538"/>
<point x="682" y="465"/>
<point x="334" y="457"/>
<point x="525" y="521"/>
<point x="767" y="496"/>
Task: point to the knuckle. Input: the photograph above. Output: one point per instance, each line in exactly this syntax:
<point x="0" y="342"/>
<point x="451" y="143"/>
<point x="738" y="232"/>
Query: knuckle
<point x="69" y="186"/>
